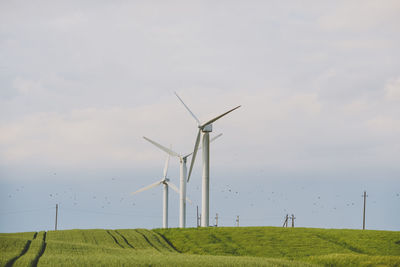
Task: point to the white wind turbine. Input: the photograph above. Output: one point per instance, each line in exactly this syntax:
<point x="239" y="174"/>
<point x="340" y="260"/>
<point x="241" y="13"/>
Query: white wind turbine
<point x="164" y="181"/>
<point x="182" y="180"/>
<point x="204" y="129"/>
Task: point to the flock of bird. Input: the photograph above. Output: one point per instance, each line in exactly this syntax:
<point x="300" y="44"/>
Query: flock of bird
<point x="71" y="198"/>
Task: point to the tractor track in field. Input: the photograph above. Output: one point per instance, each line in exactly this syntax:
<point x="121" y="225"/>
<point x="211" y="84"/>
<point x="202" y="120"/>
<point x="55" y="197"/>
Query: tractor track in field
<point x="123" y="237"/>
<point x="24" y="250"/>
<point x="148" y="241"/>
<point x="115" y="240"/>
<point x="41" y="251"/>
<point x="168" y="242"/>
<point x="341" y="244"/>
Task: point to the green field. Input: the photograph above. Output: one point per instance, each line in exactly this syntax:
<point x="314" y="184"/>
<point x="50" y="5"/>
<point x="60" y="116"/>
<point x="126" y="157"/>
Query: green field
<point x="231" y="246"/>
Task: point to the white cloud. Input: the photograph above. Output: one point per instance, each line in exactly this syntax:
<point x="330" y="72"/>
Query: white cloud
<point x="70" y="21"/>
<point x="273" y="128"/>
<point x="305" y="103"/>
<point x="113" y="135"/>
<point x="85" y="82"/>
<point x="28" y="87"/>
<point x="361" y="15"/>
<point x="77" y="138"/>
<point x="385" y="125"/>
<point x="392" y="90"/>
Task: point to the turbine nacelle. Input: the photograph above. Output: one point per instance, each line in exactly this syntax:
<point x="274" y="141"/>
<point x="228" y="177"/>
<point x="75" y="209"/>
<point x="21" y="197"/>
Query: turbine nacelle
<point x="207" y="128"/>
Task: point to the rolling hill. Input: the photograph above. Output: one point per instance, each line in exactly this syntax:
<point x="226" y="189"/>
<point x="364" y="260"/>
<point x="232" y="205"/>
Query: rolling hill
<point x="231" y="246"/>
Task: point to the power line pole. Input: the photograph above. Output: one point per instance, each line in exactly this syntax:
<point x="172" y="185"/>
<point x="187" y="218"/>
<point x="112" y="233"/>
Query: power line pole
<point x="286" y="220"/>
<point x="365" y="201"/>
<point x="55" y="228"/>
<point x="237" y="221"/>
<point x="292" y="218"/>
<point x="216" y="220"/>
<point x="197" y="216"/>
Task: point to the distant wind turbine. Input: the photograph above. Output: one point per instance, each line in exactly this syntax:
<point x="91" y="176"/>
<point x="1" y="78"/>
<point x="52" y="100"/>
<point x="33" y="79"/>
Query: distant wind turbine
<point x="204" y="129"/>
<point x="182" y="180"/>
<point x="164" y="181"/>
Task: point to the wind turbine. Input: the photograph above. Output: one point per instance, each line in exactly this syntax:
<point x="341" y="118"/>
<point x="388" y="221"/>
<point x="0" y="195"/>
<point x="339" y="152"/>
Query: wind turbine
<point x="204" y="130"/>
<point x="165" y="182"/>
<point x="182" y="176"/>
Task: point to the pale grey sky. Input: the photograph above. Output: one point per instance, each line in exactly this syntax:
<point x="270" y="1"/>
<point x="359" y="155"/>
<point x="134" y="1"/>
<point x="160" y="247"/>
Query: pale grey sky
<point x="319" y="85"/>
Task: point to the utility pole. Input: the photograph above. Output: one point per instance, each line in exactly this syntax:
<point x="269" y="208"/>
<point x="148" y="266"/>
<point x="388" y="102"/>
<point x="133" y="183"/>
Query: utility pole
<point x="55" y="228"/>
<point x="216" y="220"/>
<point x="237" y="221"/>
<point x="292" y="218"/>
<point x="286" y="220"/>
<point x="365" y="201"/>
<point x="197" y="216"/>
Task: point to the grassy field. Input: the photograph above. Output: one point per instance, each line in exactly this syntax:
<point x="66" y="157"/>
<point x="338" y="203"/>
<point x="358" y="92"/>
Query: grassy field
<point x="239" y="246"/>
<point x="327" y="247"/>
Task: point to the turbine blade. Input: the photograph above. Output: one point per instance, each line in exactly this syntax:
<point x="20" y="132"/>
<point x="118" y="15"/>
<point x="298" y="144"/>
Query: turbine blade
<point x="174" y="187"/>
<point x="212" y="139"/>
<point x="163" y="148"/>
<point x="166" y="167"/>
<point x="215" y="137"/>
<point x="216" y="118"/>
<point x="187" y="155"/>
<point x="191" y="113"/>
<point x="196" y="146"/>
<point x="147" y="187"/>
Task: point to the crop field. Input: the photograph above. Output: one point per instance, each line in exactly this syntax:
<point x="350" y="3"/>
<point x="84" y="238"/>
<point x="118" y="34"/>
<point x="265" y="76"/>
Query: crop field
<point x="326" y="247"/>
<point x="238" y="246"/>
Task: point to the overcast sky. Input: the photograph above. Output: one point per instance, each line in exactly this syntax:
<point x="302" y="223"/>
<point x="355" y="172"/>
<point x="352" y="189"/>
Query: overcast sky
<point x="82" y="82"/>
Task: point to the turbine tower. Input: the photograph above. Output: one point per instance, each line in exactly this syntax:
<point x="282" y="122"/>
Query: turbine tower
<point x="165" y="182"/>
<point x="182" y="176"/>
<point x="204" y="131"/>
